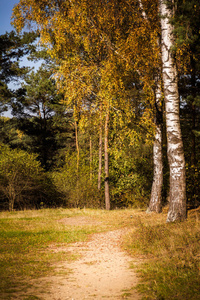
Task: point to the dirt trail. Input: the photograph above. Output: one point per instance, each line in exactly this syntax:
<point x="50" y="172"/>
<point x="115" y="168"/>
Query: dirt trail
<point x="102" y="271"/>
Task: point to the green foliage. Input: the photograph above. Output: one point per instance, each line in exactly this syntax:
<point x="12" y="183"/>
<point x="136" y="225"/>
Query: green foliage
<point x="187" y="22"/>
<point x="130" y="164"/>
<point x="76" y="188"/>
<point x="11" y="135"/>
<point x="190" y="125"/>
<point x="42" y="118"/>
<point x="22" y="179"/>
<point x="130" y="177"/>
<point x="40" y="93"/>
<point x="192" y="179"/>
<point x="12" y="48"/>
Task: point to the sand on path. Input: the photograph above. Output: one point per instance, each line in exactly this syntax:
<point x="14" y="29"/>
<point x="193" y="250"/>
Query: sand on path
<point x="102" y="272"/>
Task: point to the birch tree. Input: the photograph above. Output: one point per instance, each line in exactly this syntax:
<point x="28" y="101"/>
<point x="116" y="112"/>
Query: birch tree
<point x="150" y="75"/>
<point x="155" y="204"/>
<point x="177" y="206"/>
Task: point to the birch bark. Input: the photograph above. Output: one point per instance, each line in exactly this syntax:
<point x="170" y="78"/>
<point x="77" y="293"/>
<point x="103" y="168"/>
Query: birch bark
<point x="177" y="207"/>
<point x="155" y="204"/>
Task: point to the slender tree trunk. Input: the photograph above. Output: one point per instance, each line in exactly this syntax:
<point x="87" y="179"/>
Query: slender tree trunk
<point x="100" y="154"/>
<point x="193" y="156"/>
<point x="77" y="163"/>
<point x="11" y="204"/>
<point x="91" y="158"/>
<point x="177" y="207"/>
<point x="193" y="150"/>
<point x="193" y="84"/>
<point x="77" y="144"/>
<point x="11" y="196"/>
<point x="155" y="204"/>
<point x="107" y="194"/>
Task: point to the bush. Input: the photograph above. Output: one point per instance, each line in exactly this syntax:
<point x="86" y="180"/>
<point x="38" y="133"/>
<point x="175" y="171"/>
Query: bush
<point x="22" y="179"/>
<point x="77" y="189"/>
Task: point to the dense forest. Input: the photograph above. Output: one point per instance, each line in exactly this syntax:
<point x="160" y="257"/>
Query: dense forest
<point x="111" y="117"/>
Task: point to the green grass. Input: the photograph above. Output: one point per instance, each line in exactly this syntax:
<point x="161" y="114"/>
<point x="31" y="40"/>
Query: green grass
<point x="172" y="257"/>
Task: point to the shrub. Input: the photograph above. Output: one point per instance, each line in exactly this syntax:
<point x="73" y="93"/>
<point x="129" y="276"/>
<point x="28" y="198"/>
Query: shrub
<point x="76" y="188"/>
<point x="21" y="179"/>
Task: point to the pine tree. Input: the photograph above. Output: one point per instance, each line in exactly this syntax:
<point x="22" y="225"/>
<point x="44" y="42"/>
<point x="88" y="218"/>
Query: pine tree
<point x="12" y="48"/>
<point x="42" y="117"/>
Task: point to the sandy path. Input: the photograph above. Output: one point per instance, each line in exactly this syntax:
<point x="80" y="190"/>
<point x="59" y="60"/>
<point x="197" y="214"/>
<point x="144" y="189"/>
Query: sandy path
<point x="102" y="272"/>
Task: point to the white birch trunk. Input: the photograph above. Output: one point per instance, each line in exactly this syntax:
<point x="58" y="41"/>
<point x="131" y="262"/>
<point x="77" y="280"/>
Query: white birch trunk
<point x="177" y="207"/>
<point x="155" y="204"/>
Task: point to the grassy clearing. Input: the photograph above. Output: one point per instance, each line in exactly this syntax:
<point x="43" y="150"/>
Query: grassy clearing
<point x="172" y="256"/>
<point x="26" y="239"/>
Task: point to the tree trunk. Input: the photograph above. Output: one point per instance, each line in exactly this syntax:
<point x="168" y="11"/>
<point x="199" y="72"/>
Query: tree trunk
<point x="193" y="84"/>
<point x="107" y="194"/>
<point x="100" y="154"/>
<point x="193" y="150"/>
<point x="155" y="204"/>
<point x="77" y="164"/>
<point x="11" y="196"/>
<point x="177" y="207"/>
<point x="91" y="158"/>
<point x="77" y="145"/>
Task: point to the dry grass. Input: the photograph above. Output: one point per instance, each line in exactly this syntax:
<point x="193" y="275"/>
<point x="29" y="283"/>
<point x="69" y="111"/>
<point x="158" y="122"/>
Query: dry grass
<point x="172" y="256"/>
